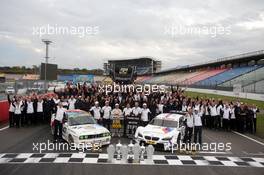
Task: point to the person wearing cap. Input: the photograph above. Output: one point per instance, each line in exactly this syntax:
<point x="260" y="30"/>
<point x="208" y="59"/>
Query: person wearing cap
<point x="197" y="126"/>
<point x="117" y="117"/>
<point x="106" y="110"/>
<point x="96" y="112"/>
<point x="144" y="115"/>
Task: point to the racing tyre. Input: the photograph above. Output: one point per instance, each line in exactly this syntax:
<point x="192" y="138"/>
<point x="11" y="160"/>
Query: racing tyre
<point x="70" y="140"/>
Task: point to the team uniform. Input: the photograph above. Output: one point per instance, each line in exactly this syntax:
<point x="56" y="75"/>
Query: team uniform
<point x="106" y="110"/>
<point x="197" y="127"/>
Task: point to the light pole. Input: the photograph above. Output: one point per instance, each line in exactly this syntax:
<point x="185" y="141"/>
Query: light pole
<point x="47" y="42"/>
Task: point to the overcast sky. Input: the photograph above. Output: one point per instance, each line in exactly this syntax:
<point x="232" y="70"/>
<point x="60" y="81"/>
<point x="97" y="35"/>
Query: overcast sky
<point x="127" y="29"/>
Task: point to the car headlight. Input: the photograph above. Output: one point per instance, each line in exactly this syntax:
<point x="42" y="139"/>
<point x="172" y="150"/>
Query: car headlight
<point x="83" y="137"/>
<point x="140" y="135"/>
<point x="167" y="138"/>
<point x="107" y="134"/>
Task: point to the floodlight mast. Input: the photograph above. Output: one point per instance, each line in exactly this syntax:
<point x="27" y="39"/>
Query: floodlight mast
<point x="46" y="42"/>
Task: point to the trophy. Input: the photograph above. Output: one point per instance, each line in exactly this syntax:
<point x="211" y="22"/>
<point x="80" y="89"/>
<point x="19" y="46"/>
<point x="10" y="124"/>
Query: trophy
<point x="111" y="152"/>
<point x="136" y="151"/>
<point x="118" y="150"/>
<point x="142" y="151"/>
<point x="130" y="151"/>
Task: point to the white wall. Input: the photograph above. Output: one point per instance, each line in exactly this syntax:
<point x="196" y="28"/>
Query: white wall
<point x="251" y="96"/>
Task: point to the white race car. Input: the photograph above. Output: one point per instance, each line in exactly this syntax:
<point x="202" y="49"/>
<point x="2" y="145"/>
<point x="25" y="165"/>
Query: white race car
<point x="164" y="131"/>
<point x="80" y="129"/>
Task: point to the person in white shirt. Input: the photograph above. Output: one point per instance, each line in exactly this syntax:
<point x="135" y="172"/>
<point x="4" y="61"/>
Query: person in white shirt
<point x="58" y="121"/>
<point x="117" y="117"/>
<point x="213" y="113"/>
<point x="71" y="103"/>
<point x="226" y="117"/>
<point x="126" y="113"/>
<point x="137" y="97"/>
<point x="184" y="106"/>
<point x="40" y="116"/>
<point x="189" y="127"/>
<point x="106" y="110"/>
<point x="197" y="126"/>
<point x="30" y="111"/>
<point x="136" y="113"/>
<point x="232" y="117"/>
<point x="18" y="108"/>
<point x="219" y="110"/>
<point x="160" y="107"/>
<point x="145" y="115"/>
<point x="56" y="100"/>
<point x="207" y="115"/>
<point x="255" y="110"/>
<point x="96" y="112"/>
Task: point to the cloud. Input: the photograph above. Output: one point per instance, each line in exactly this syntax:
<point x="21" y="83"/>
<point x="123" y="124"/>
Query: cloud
<point x="128" y="29"/>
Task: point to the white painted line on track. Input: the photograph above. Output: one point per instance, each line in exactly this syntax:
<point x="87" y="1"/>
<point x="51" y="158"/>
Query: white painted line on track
<point x="254" y="140"/>
<point x="6" y="127"/>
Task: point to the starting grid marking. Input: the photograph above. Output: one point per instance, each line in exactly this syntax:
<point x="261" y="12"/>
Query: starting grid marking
<point x="94" y="158"/>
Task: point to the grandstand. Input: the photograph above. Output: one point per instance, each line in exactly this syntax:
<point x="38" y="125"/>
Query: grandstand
<point x="246" y="70"/>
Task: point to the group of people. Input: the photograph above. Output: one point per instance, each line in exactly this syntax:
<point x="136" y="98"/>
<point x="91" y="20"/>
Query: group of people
<point x="106" y="108"/>
<point x="31" y="110"/>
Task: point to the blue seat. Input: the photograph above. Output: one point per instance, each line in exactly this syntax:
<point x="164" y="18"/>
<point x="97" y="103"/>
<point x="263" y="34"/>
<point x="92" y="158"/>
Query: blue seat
<point x="227" y="75"/>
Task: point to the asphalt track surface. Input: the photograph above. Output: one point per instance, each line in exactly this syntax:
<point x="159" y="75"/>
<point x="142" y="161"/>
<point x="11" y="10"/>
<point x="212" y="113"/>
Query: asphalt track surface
<point x="21" y="140"/>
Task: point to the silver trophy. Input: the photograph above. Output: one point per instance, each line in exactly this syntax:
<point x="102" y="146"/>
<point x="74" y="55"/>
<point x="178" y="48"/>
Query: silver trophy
<point x="130" y="151"/>
<point x="118" y="150"/>
<point x="124" y="152"/>
<point x="150" y="151"/>
<point x="136" y="151"/>
<point x="111" y="152"/>
<point x="142" y="151"/>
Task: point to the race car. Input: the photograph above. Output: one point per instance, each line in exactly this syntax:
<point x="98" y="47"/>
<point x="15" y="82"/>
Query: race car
<point x="81" y="130"/>
<point x="164" y="131"/>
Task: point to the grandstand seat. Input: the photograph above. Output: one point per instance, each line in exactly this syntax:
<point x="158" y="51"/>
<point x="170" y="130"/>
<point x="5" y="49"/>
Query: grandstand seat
<point x="227" y="75"/>
<point x="203" y="75"/>
<point x="246" y="79"/>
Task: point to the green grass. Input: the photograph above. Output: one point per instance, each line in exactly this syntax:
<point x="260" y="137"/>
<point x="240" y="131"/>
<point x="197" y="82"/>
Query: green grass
<point x="260" y="104"/>
<point x="260" y="125"/>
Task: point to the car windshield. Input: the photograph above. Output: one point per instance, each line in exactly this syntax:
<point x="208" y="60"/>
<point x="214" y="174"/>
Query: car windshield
<point x="81" y="120"/>
<point x="164" y="123"/>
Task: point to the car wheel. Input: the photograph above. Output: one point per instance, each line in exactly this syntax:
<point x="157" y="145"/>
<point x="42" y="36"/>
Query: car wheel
<point x="70" y="140"/>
